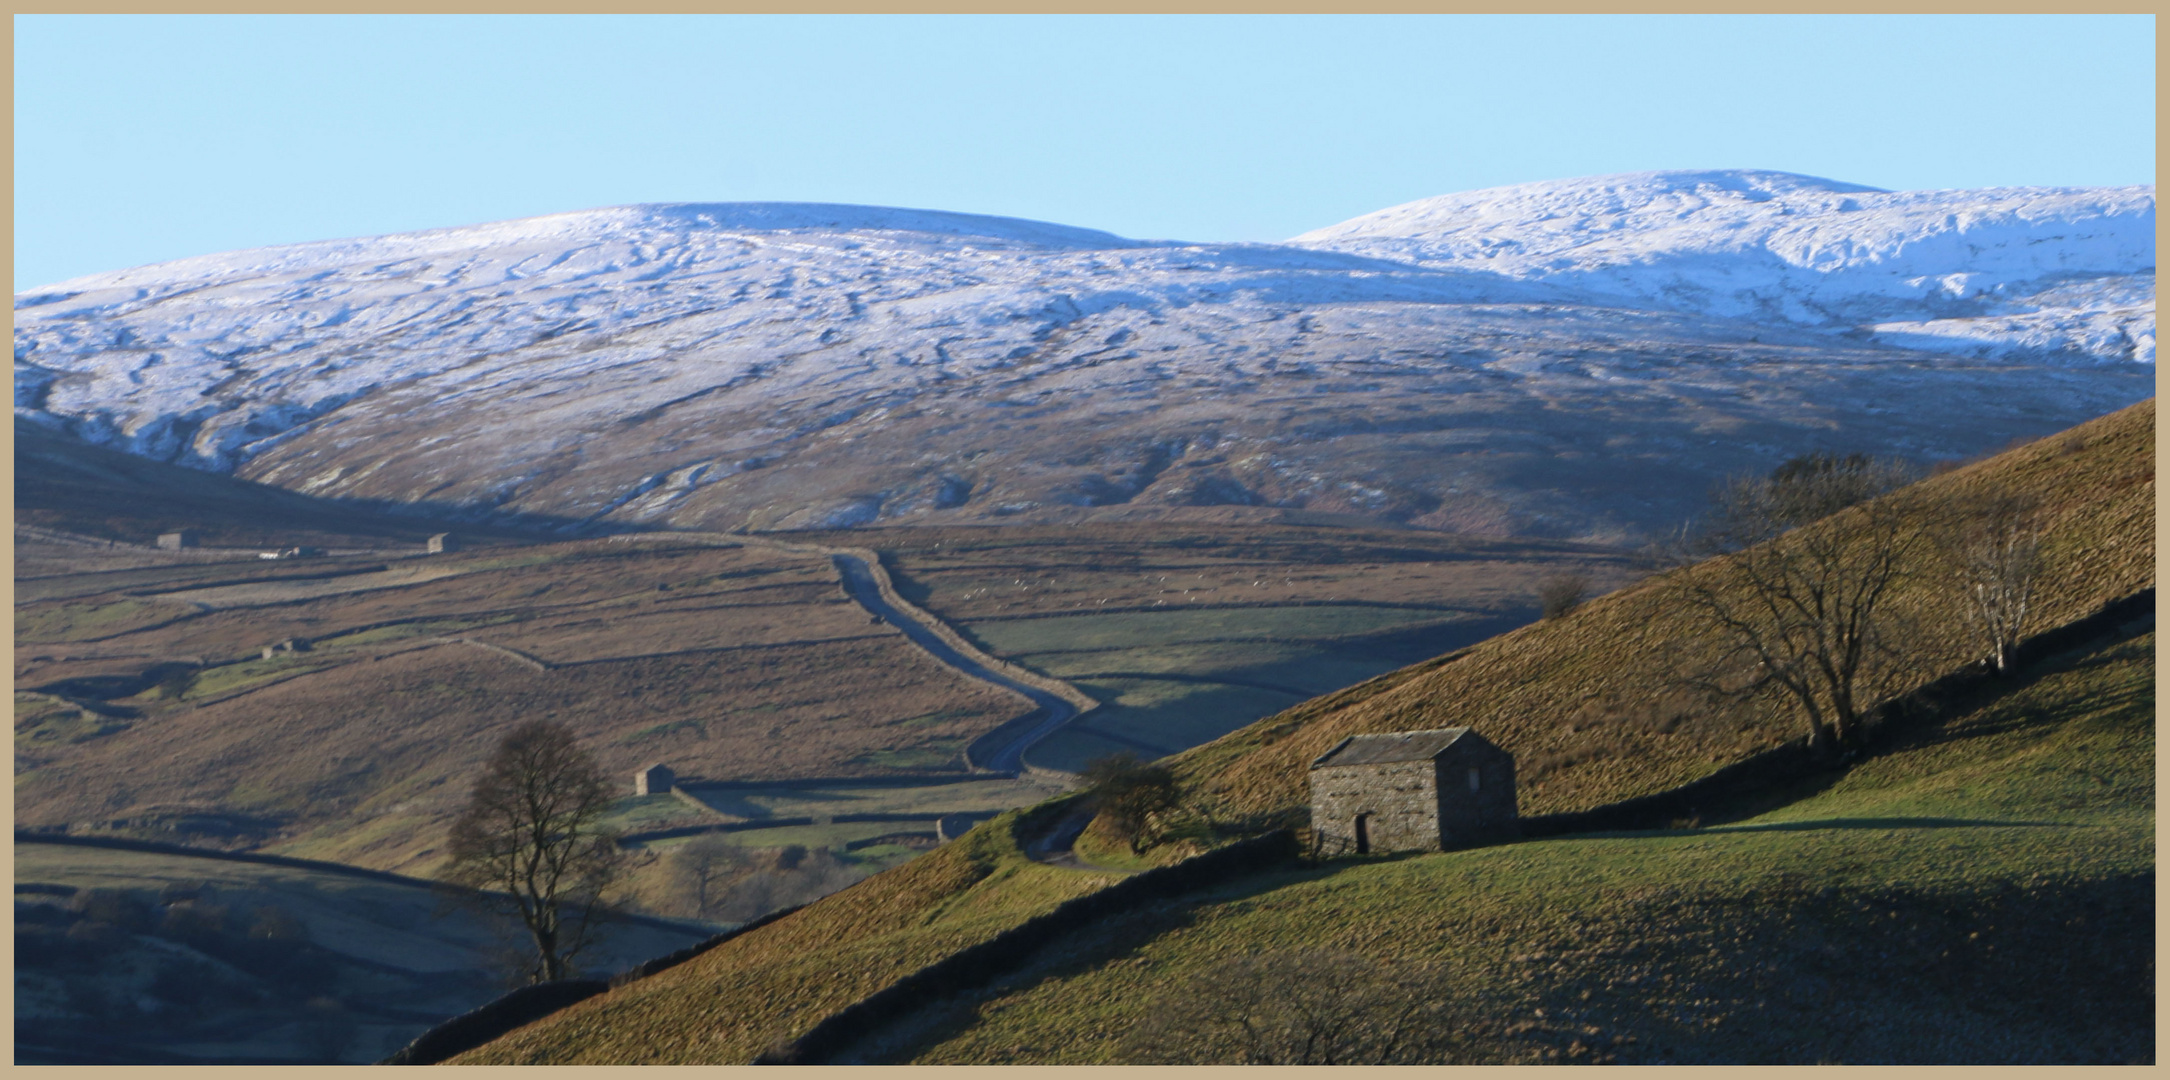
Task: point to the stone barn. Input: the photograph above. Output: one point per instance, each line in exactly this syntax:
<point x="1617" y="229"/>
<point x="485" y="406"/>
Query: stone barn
<point x="1412" y="791"/>
<point x="443" y="543"/>
<point x="175" y="541"/>
<point x="654" y="780"/>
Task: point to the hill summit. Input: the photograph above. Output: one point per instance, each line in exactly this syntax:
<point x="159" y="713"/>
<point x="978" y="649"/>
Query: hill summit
<point x="1992" y="271"/>
<point x="1572" y="360"/>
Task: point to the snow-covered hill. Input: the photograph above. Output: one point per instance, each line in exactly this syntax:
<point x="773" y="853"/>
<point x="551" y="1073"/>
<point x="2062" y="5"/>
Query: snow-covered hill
<point x="2000" y="271"/>
<point x="1567" y="359"/>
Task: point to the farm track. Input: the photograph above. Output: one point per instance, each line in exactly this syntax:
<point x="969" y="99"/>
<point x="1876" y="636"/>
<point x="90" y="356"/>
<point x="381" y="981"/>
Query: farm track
<point x="515" y="654"/>
<point x="1058" y="846"/>
<point x="270" y="594"/>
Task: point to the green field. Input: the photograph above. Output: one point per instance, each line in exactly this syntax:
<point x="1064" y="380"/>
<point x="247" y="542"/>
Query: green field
<point x="1152" y="718"/>
<point x="41" y="720"/>
<point x="1222" y="668"/>
<point x="67" y="622"/>
<point x="1140" y="629"/>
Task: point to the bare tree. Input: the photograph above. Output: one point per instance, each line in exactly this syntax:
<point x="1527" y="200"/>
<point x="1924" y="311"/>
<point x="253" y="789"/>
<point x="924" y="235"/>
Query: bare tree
<point x="1993" y="546"/>
<point x="1561" y="593"/>
<point x="702" y="868"/>
<point x="530" y="836"/>
<point x="1805" y="610"/>
<point x="1311" y="1007"/>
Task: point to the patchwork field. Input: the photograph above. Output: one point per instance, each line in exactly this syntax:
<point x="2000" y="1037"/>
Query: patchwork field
<point x="763" y="846"/>
<point x="755" y="802"/>
<point x="332" y="707"/>
<point x="730" y="663"/>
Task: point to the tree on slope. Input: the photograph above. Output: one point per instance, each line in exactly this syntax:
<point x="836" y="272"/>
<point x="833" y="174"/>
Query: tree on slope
<point x="530" y="836"/>
<point x="1992" y="547"/>
<point x="1800" y="602"/>
<point x="1128" y="793"/>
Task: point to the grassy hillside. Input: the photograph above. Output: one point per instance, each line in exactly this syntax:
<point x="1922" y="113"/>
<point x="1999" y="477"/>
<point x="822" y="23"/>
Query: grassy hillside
<point x="768" y="986"/>
<point x="1978" y="892"/>
<point x="1582" y="701"/>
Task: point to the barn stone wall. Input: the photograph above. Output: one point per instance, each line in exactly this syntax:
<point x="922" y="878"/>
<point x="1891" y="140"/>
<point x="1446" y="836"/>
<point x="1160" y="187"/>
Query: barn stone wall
<point x="1425" y="805"/>
<point x="1486" y="814"/>
<point x="1401" y="797"/>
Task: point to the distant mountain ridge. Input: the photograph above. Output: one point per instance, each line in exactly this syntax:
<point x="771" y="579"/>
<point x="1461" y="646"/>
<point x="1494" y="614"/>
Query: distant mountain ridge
<point x="1572" y="359"/>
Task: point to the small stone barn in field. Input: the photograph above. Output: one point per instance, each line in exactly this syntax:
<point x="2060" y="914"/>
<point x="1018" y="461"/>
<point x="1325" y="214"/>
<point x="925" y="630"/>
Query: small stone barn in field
<point x="1412" y="791"/>
<point x="654" y="780"/>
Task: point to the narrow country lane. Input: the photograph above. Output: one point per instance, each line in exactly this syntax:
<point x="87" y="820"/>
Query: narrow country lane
<point x="859" y="582"/>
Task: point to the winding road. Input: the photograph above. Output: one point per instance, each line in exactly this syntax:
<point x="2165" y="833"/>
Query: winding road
<point x="859" y="582"/>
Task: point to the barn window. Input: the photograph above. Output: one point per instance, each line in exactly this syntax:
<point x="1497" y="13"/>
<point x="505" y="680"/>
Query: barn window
<point x="1473" y="782"/>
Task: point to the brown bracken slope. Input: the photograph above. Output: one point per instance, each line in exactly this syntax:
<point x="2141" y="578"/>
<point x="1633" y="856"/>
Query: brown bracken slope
<point x="1566" y="696"/>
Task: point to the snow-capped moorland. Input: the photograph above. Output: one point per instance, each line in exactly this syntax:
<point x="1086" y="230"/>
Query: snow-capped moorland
<point x="1575" y="358"/>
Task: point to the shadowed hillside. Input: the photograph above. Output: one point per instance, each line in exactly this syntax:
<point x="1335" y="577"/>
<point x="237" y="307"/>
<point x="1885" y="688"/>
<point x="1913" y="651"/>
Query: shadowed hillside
<point x="65" y="484"/>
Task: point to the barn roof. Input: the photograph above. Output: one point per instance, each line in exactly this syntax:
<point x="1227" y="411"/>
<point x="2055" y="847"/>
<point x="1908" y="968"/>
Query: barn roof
<point x="1392" y="746"/>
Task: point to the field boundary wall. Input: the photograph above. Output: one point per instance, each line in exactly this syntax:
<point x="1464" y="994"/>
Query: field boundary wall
<point x="977" y="965"/>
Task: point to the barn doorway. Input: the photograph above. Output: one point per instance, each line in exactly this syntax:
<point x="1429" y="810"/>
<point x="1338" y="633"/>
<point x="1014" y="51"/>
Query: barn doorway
<point x="1363" y="834"/>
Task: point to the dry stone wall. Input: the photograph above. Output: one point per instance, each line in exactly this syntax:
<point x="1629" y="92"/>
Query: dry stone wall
<point x="1398" y="801"/>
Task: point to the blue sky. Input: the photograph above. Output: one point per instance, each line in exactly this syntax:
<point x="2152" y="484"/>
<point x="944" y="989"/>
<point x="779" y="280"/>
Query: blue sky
<point x="145" y="138"/>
